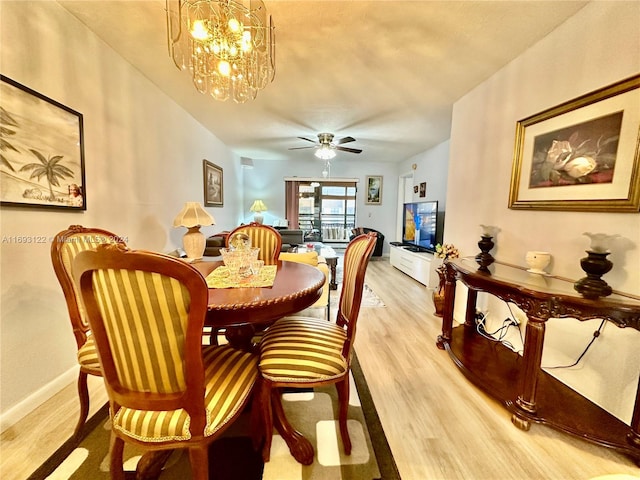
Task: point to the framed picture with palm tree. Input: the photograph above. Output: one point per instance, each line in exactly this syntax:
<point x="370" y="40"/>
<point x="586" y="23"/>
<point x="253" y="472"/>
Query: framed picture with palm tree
<point x="41" y="150"/>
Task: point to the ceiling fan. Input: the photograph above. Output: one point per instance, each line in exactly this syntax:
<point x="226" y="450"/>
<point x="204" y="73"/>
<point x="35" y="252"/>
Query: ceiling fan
<point x="325" y="147"/>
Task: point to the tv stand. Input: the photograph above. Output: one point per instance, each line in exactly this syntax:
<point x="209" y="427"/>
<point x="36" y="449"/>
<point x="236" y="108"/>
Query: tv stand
<point x="413" y="261"/>
<point x="527" y="391"/>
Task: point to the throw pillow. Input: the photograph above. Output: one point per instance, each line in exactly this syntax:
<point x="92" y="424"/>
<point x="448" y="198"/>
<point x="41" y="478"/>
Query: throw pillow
<point x="310" y="258"/>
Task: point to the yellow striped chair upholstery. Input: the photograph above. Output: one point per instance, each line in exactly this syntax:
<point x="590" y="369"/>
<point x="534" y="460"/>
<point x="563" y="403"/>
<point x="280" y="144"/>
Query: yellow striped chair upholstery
<point x="308" y="352"/>
<point x="64" y="248"/>
<point x="165" y="389"/>
<point x="263" y="236"/>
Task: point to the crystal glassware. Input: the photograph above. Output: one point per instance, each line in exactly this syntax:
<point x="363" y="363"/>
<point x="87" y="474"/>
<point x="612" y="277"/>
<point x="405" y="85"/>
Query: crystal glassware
<point x="256" y="266"/>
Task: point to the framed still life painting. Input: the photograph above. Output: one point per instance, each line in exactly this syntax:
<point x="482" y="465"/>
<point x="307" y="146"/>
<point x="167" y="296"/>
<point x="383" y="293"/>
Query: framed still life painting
<point x="41" y="150"/>
<point x="583" y="155"/>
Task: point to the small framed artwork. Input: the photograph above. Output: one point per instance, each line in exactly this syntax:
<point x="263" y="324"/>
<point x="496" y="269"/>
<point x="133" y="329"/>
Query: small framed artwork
<point x="423" y="189"/>
<point x="41" y="151"/>
<point x="415" y="189"/>
<point x="213" y="185"/>
<point x="374" y="190"/>
<point x="582" y="155"/>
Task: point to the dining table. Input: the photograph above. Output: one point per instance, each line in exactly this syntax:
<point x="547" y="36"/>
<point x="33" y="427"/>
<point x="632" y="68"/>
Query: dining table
<point x="244" y="311"/>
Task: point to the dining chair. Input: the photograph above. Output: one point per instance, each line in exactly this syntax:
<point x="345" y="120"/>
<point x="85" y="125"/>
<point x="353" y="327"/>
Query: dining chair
<point x="166" y="390"/>
<point x="302" y="352"/>
<point x="64" y="248"/>
<point x="317" y="261"/>
<point x="263" y="236"/>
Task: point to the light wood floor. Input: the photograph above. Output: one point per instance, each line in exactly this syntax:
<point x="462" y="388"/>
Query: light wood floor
<point x="439" y="426"/>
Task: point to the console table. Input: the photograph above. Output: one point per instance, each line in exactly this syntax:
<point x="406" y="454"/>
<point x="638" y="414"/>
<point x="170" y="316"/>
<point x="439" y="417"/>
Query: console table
<point x="529" y="393"/>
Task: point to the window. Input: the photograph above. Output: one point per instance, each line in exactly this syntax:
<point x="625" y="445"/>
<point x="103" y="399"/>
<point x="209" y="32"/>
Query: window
<point x="327" y="212"/>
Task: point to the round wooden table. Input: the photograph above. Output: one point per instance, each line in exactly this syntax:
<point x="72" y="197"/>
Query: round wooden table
<point x="244" y="311"/>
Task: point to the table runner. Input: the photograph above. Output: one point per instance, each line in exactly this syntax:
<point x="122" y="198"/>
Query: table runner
<point x="220" y="278"/>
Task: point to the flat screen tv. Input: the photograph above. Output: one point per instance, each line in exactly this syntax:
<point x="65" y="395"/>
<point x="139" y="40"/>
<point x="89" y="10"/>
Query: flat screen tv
<point x="420" y="225"/>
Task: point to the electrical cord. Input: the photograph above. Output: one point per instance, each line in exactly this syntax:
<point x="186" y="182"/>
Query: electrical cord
<point x="501" y="331"/>
<point x="596" y="334"/>
<point x="516" y="323"/>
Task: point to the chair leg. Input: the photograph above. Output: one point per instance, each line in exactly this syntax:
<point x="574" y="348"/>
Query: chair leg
<point x="116" y="466"/>
<point x="199" y="459"/>
<point x="264" y="400"/>
<point x="343" y="397"/>
<point x="83" y="394"/>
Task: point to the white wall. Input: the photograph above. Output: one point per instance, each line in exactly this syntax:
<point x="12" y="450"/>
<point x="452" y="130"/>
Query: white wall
<point x="143" y="157"/>
<point x="432" y="168"/>
<point x="266" y="181"/>
<point x="600" y="45"/>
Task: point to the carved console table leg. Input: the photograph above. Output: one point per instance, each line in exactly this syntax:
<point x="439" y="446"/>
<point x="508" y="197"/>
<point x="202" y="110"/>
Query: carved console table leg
<point x="532" y="359"/>
<point x="447" y="311"/>
<point x="634" y="437"/>
<point x="470" y="317"/>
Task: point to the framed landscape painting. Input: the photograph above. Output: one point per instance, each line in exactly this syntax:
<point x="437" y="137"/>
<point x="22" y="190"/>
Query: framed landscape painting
<point x="41" y="150"/>
<point x="213" y="185"/>
<point x="374" y="190"/>
<point x="583" y="155"/>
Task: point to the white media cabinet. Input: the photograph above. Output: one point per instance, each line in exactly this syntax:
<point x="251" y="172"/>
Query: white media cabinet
<point x="415" y="264"/>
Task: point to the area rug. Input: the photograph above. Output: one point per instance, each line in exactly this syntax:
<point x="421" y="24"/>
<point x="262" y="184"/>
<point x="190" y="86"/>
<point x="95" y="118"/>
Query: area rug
<point x="232" y="457"/>
<point x="369" y="298"/>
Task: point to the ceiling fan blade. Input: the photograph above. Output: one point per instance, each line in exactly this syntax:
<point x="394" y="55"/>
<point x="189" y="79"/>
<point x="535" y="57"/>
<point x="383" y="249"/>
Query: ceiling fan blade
<point x="346" y="140"/>
<point x="299" y="148"/>
<point x="352" y="150"/>
<point x="308" y="140"/>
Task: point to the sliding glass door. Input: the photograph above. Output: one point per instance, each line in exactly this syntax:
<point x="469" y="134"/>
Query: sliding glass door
<point x="327" y="210"/>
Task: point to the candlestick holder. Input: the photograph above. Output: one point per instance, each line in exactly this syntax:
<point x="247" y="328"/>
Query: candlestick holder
<point x="484" y="258"/>
<point x="595" y="264"/>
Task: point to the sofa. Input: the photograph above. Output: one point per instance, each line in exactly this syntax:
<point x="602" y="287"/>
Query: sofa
<point x="214" y="243"/>
<point x="290" y="238"/>
<point x="377" y="251"/>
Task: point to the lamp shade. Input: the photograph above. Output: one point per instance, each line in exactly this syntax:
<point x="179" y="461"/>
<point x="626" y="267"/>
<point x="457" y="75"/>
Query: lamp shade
<point x="258" y="206"/>
<point x="325" y="152"/>
<point x="193" y="214"/>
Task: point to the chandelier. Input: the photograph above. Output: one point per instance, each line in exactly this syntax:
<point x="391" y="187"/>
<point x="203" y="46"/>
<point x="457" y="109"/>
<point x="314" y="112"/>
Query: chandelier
<point x="228" y="46"/>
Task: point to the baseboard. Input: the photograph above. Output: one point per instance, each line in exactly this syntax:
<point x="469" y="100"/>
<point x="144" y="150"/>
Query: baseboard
<point x="16" y="413"/>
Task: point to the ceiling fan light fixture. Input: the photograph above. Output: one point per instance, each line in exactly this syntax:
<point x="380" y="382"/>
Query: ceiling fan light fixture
<point x="228" y="46"/>
<point x="325" y="152"/>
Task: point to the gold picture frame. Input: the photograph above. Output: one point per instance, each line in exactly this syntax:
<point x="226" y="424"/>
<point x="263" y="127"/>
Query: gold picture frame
<point x="582" y="155"/>
<point x="213" y="184"/>
<point x="374" y="190"/>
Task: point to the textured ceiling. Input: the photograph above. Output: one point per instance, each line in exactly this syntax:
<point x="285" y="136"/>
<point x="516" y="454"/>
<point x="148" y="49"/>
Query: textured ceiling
<point x="385" y="72"/>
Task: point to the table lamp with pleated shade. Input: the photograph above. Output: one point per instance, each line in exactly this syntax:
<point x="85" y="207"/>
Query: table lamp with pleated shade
<point x="193" y="216"/>
<point x="258" y="207"/>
